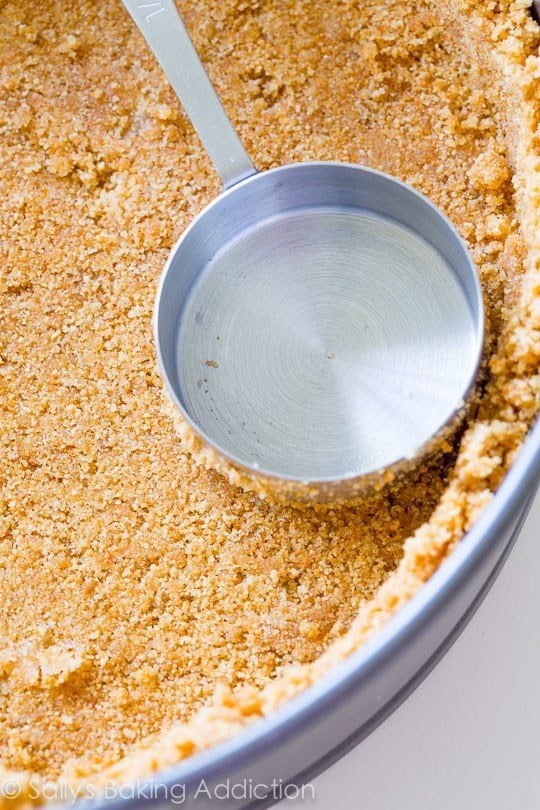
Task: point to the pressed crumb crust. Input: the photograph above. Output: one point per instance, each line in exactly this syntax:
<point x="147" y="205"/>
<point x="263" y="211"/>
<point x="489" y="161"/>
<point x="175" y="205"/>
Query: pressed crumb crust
<point x="148" y="607"/>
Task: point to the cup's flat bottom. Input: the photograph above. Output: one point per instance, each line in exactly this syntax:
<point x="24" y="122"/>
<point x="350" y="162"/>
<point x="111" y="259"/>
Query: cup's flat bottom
<point x="325" y="342"/>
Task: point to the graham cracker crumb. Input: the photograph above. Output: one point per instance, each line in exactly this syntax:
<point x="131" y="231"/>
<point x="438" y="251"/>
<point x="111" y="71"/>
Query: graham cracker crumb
<point x="150" y="607"/>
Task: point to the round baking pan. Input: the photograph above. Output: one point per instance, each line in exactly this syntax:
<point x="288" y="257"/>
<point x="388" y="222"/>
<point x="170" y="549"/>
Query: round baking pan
<point x="314" y="729"/>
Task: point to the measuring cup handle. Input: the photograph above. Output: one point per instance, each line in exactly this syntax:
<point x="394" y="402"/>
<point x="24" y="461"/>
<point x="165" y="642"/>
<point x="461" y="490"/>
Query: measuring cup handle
<point x="162" y="27"/>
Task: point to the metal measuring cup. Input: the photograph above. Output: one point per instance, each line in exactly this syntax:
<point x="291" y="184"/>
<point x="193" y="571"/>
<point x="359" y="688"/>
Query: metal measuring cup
<point x="319" y="325"/>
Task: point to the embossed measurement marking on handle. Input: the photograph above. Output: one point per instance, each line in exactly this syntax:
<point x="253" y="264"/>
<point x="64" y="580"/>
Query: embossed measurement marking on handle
<point x="158" y="8"/>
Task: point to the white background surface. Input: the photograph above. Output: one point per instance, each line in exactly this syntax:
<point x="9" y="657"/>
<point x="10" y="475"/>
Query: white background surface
<point x="469" y="737"/>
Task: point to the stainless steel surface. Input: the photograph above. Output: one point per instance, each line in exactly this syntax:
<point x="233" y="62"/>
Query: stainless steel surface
<point x="330" y="323"/>
<point x="318" y="324"/>
<point x="163" y="29"/>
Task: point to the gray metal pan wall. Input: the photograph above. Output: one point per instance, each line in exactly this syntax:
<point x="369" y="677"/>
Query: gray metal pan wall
<point x="319" y="726"/>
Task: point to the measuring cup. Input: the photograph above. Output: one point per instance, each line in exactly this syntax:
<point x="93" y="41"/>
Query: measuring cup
<point x="319" y="325"/>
